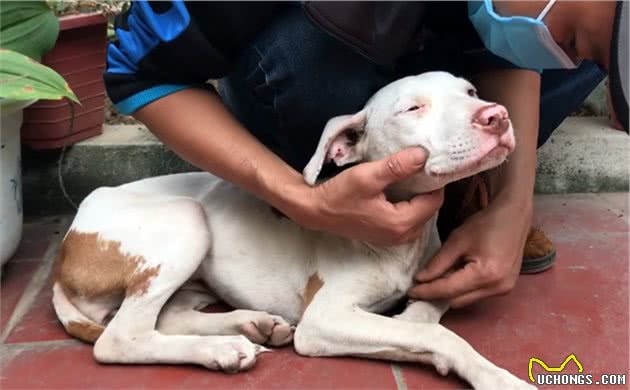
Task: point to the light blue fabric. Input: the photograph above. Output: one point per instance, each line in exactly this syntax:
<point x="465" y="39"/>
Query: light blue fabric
<point x="139" y="100"/>
<point x="526" y="42"/>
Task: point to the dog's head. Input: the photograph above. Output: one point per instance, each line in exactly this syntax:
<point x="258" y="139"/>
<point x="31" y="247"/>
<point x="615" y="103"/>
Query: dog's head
<point x="437" y="111"/>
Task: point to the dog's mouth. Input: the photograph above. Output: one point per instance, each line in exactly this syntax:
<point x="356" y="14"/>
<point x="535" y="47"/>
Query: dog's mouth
<point x="488" y="157"/>
<point x="496" y="153"/>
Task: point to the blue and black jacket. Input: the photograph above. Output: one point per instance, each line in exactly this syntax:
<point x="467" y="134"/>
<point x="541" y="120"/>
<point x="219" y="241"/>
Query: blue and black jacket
<point x="164" y="47"/>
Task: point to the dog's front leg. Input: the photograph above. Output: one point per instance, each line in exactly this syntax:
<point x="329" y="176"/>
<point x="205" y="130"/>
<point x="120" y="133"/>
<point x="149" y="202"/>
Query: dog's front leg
<point x="180" y="316"/>
<point x="330" y="328"/>
<point x="423" y="311"/>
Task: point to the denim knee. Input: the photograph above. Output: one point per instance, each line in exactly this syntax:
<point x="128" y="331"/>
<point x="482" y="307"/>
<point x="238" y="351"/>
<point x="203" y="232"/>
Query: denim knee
<point x="562" y="92"/>
<point x="292" y="79"/>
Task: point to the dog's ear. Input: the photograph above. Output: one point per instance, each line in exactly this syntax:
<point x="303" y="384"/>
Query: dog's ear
<point x="341" y="142"/>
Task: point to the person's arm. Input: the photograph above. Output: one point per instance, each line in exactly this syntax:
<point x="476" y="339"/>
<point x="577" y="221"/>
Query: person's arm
<point x="153" y="74"/>
<point x="490" y="243"/>
<point x="197" y="126"/>
<point x="519" y="92"/>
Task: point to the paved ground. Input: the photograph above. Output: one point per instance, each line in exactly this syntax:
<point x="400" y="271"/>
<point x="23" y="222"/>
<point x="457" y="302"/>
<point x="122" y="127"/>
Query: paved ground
<point x="580" y="306"/>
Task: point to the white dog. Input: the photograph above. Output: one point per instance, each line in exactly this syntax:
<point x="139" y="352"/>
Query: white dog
<point x="141" y="259"/>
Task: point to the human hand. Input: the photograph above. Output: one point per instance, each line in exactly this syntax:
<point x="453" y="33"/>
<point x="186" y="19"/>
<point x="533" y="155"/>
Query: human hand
<point x="353" y="204"/>
<point x="490" y="245"/>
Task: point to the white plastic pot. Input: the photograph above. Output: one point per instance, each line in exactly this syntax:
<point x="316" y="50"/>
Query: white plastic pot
<point x="10" y="177"/>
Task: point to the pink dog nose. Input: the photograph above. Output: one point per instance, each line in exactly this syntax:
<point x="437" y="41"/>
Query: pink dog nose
<point x="492" y="119"/>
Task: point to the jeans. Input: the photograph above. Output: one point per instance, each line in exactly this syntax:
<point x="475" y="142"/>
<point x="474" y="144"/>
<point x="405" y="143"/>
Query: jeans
<point x="294" y="77"/>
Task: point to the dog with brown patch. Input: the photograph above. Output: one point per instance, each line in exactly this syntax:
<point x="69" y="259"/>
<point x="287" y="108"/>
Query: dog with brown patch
<point x="140" y="260"/>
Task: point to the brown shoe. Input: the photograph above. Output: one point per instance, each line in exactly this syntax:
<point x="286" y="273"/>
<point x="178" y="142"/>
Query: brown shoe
<point x="466" y="197"/>
<point x="538" y="254"/>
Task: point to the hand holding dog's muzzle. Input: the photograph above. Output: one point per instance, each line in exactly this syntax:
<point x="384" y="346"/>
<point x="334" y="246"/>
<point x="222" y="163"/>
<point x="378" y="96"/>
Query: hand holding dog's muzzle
<point x="353" y="203"/>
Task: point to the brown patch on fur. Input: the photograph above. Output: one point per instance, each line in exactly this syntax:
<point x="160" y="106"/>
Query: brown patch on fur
<point x="85" y="331"/>
<point x="313" y="285"/>
<point x="90" y="267"/>
<point x="537" y="244"/>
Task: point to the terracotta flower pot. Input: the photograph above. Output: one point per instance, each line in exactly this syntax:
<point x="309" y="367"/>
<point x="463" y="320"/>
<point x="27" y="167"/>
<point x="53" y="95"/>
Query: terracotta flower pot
<point x="79" y="56"/>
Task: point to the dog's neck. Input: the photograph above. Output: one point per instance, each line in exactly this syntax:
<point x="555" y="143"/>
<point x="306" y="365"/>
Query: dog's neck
<point x="401" y="192"/>
<point x="410" y="257"/>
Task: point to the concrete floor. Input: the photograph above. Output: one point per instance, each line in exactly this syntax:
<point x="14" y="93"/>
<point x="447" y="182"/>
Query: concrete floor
<point x="578" y="307"/>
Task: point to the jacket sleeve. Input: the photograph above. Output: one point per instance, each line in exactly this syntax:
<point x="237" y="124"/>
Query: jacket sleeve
<point x="159" y="50"/>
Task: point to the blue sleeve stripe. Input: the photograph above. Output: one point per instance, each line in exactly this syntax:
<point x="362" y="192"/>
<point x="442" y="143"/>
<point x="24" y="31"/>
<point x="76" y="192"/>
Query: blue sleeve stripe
<point x="141" y="99"/>
<point x="146" y="29"/>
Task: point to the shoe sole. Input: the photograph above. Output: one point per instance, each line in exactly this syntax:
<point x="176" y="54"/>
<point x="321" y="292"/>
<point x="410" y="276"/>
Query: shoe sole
<point x="538" y="264"/>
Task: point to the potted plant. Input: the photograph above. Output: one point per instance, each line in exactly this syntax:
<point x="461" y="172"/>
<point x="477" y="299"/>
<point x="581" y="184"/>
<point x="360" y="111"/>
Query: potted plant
<point x="79" y="56"/>
<point x="27" y="30"/>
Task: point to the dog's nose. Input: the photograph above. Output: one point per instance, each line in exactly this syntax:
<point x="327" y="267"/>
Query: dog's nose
<point x="492" y="119"/>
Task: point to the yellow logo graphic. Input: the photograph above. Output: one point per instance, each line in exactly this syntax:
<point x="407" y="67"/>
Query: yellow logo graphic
<point x="553" y="369"/>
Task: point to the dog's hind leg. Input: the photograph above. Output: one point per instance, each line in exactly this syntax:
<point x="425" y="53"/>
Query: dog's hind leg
<point x="131" y="338"/>
<point x="145" y="251"/>
<point x="331" y="327"/>
<point x="193" y="295"/>
<point x="180" y="316"/>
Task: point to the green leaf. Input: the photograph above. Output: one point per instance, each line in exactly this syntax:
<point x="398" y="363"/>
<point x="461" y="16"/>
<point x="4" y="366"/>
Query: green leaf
<point x="21" y="78"/>
<point x="28" y="27"/>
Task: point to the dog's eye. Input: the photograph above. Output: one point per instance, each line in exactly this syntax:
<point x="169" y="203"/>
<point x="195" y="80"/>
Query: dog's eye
<point x="416" y="107"/>
<point x="472" y="92"/>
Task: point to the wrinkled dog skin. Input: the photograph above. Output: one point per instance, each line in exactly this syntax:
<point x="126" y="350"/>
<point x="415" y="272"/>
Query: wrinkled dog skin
<point x="141" y="259"/>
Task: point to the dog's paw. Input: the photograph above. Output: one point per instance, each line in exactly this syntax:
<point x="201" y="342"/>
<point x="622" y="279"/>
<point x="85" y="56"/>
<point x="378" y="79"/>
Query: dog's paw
<point x="263" y="328"/>
<point x="495" y="378"/>
<point x="234" y="354"/>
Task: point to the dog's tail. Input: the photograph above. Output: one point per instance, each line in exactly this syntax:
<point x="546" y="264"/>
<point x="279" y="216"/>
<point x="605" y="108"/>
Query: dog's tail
<point x="75" y="322"/>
